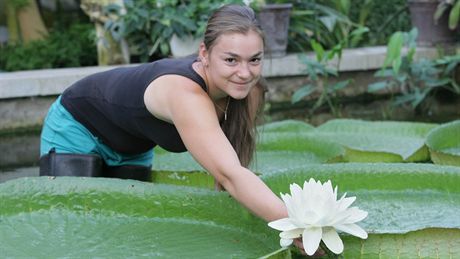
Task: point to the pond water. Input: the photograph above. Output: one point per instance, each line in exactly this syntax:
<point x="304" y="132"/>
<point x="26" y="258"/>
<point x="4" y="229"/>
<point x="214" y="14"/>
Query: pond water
<point x="19" y="155"/>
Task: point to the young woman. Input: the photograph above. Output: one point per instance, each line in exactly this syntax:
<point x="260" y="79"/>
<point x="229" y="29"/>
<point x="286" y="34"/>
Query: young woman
<point x="205" y="104"/>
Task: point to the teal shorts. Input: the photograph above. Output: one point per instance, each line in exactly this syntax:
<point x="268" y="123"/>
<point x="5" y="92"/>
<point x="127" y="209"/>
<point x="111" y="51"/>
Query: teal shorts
<point x="66" y="135"/>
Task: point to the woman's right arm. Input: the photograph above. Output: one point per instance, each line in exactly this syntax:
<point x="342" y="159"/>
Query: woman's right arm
<point x="191" y="110"/>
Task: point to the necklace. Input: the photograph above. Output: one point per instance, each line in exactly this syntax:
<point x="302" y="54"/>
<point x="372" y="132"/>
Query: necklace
<point x="226" y="108"/>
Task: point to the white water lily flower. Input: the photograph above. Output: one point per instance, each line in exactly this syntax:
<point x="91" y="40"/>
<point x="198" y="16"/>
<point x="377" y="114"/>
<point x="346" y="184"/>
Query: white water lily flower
<point x="315" y="214"/>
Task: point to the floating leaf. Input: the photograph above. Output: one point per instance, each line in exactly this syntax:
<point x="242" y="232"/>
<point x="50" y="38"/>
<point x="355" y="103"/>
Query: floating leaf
<point x="444" y="143"/>
<point x="378" y="141"/>
<point x="112" y="218"/>
<point x="286" y="126"/>
<point x="426" y="243"/>
<point x="399" y="197"/>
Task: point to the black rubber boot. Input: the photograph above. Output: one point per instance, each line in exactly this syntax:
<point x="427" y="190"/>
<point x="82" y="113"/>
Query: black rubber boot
<point x="135" y="172"/>
<point x="63" y="164"/>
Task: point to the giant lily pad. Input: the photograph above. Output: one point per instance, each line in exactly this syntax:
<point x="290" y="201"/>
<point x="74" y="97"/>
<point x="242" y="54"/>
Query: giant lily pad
<point x="399" y="197"/>
<point x="378" y="141"/>
<point x="276" y="151"/>
<point x="413" y="208"/>
<point x="179" y="169"/>
<point x="85" y="217"/>
<point x="286" y="126"/>
<point x="91" y="217"/>
<point x="426" y="243"/>
<point x="444" y="143"/>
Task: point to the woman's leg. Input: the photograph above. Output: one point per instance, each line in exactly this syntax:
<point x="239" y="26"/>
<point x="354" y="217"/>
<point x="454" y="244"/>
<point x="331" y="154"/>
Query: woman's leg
<point x="63" y="135"/>
<point x="67" y="148"/>
<point x="137" y="167"/>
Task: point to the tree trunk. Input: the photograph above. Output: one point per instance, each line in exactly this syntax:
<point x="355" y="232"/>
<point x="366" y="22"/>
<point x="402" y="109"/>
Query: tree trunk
<point x="12" y="24"/>
<point x="31" y="23"/>
<point x="109" y="51"/>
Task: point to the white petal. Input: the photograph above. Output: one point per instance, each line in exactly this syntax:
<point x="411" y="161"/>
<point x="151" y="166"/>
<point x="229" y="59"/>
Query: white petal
<point x="289" y="205"/>
<point x="346" y="202"/>
<point x="310" y="238"/>
<point x="285" y="242"/>
<point x="352" y="229"/>
<point x="327" y="187"/>
<point x="295" y="233"/>
<point x="332" y="240"/>
<point x="355" y="215"/>
<point x="310" y="217"/>
<point x="282" y="224"/>
<point x="296" y="193"/>
<point x="295" y="190"/>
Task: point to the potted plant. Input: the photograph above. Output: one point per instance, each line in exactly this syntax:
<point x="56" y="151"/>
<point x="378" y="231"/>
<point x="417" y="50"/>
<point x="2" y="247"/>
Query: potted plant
<point x="187" y="40"/>
<point x="431" y="20"/>
<point x="153" y="28"/>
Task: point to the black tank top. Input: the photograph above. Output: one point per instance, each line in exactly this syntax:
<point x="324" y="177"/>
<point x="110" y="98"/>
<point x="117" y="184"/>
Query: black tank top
<point x="111" y="106"/>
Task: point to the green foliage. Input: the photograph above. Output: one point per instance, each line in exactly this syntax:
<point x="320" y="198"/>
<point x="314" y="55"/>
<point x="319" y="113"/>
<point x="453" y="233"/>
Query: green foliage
<point x="148" y="25"/>
<point x="319" y="71"/>
<point x="18" y="4"/>
<point x="64" y="47"/>
<point x="326" y="22"/>
<point x="415" y="80"/>
<point x="331" y="22"/>
<point x="383" y="18"/>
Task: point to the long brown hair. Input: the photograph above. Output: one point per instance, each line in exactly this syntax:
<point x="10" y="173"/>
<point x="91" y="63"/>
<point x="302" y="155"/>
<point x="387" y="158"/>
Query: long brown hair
<point x="240" y="126"/>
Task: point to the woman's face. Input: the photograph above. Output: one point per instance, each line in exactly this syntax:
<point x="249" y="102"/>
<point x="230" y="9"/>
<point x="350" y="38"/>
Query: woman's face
<point x="234" y="64"/>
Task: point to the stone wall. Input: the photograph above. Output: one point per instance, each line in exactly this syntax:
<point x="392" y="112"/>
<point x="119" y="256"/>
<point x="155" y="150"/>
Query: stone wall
<point x="26" y="96"/>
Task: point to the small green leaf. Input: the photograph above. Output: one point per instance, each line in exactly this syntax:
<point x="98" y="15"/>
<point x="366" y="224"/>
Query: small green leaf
<point x="454" y="16"/>
<point x="394" y="48"/>
<point x="397" y="62"/>
<point x="441" y="8"/>
<point x="301" y="93"/>
<point x="377" y="86"/>
<point x="340" y="85"/>
<point x="319" y="50"/>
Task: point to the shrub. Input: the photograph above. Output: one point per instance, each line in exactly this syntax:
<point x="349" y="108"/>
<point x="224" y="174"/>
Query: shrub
<point x="64" y="47"/>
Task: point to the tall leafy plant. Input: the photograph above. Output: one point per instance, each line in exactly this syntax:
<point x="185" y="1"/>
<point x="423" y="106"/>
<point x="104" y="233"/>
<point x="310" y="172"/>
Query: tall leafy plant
<point x="414" y="80"/>
<point x="320" y="71"/>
